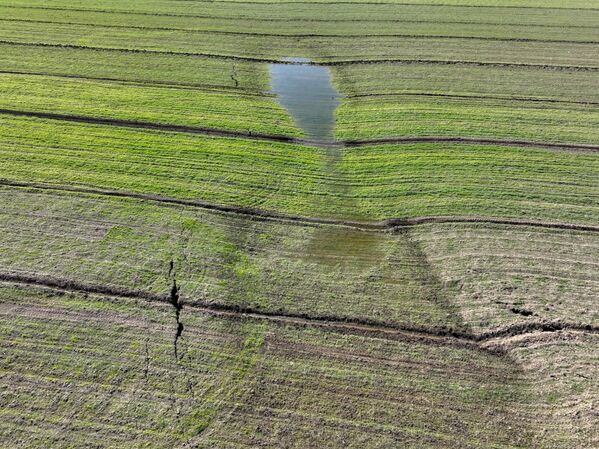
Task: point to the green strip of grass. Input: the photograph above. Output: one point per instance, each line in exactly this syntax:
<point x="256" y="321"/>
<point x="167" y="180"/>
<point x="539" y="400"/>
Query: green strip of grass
<point x="537" y="9"/>
<point x="437" y="179"/>
<point x="135" y="67"/>
<point x="428" y="116"/>
<point x="228" y="171"/>
<point x="289" y="19"/>
<point x="381" y="79"/>
<point x="319" y="48"/>
<point x="374" y="182"/>
<point x="200" y="108"/>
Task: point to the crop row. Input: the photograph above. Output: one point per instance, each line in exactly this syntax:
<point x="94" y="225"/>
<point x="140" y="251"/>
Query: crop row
<point x="541" y="12"/>
<point x="370" y="79"/>
<point x="445" y="101"/>
<point x="508" y="83"/>
<point x="139" y="68"/>
<point x="237" y="19"/>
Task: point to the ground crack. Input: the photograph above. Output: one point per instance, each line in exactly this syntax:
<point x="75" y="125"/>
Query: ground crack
<point x="147" y="361"/>
<point x="523" y="312"/>
<point x="439" y="335"/>
<point x="176" y="303"/>
<point x="234" y="76"/>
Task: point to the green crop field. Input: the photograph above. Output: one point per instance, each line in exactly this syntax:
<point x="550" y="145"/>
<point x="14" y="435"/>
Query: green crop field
<point x="185" y="263"/>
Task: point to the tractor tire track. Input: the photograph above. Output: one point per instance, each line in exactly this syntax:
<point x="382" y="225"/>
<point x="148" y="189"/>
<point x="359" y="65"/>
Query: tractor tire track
<point x="438" y="336"/>
<point x="305" y="35"/>
<point x="294" y="140"/>
<point x="335" y="63"/>
<point x="388" y="225"/>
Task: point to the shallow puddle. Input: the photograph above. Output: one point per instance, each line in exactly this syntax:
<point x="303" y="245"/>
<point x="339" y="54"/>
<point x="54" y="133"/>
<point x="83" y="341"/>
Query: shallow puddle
<point x="308" y="94"/>
<point x="306" y="91"/>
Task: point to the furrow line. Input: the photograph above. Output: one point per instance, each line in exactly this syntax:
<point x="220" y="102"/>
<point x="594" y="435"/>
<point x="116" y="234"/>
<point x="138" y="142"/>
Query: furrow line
<point x="323" y="63"/>
<point x="472" y="141"/>
<point x="472" y="97"/>
<point x="439" y="336"/>
<point x="154" y="83"/>
<point x="296" y="20"/>
<point x="388" y="225"/>
<point x="258" y="93"/>
<point x="154" y="126"/>
<point x="295" y="140"/>
<point x="374" y="4"/>
<point x="293" y="2"/>
<point x="306" y="35"/>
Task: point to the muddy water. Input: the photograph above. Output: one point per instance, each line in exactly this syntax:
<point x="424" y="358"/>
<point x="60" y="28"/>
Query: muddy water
<point x="308" y="94"/>
<point x="365" y="265"/>
<point x="306" y="91"/>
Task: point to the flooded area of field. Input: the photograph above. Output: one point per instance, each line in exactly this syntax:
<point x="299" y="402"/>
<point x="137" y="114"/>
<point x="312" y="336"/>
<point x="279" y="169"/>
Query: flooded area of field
<point x="307" y="92"/>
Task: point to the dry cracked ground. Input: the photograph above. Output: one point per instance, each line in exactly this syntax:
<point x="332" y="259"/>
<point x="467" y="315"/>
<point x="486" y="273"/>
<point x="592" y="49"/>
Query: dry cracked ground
<point x="190" y="259"/>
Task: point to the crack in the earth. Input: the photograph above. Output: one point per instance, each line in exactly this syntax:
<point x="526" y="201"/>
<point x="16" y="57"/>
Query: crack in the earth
<point x="234" y="76"/>
<point x="174" y="300"/>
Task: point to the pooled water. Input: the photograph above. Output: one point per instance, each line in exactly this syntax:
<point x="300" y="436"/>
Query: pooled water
<point x="308" y="94"/>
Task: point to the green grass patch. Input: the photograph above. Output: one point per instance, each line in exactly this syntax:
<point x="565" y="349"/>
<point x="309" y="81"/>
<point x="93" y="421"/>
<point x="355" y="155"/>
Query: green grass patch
<point x="202" y="108"/>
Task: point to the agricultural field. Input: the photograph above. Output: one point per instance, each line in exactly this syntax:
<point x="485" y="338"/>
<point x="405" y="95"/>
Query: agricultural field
<point x="394" y="244"/>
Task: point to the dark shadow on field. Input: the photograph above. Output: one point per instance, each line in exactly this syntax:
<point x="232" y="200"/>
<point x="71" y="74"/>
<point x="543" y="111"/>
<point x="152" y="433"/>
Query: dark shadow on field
<point x="432" y="288"/>
<point x="325" y="272"/>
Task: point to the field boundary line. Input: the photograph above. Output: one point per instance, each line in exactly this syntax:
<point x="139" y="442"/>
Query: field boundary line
<point x="123" y="123"/>
<point x="377" y="3"/>
<point x="307" y="35"/>
<point x="469" y="97"/>
<point x="387" y="225"/>
<point x="440" y="335"/>
<point x="322" y="63"/>
<point x="471" y="141"/>
<point x="215" y="132"/>
<point x="311" y="19"/>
